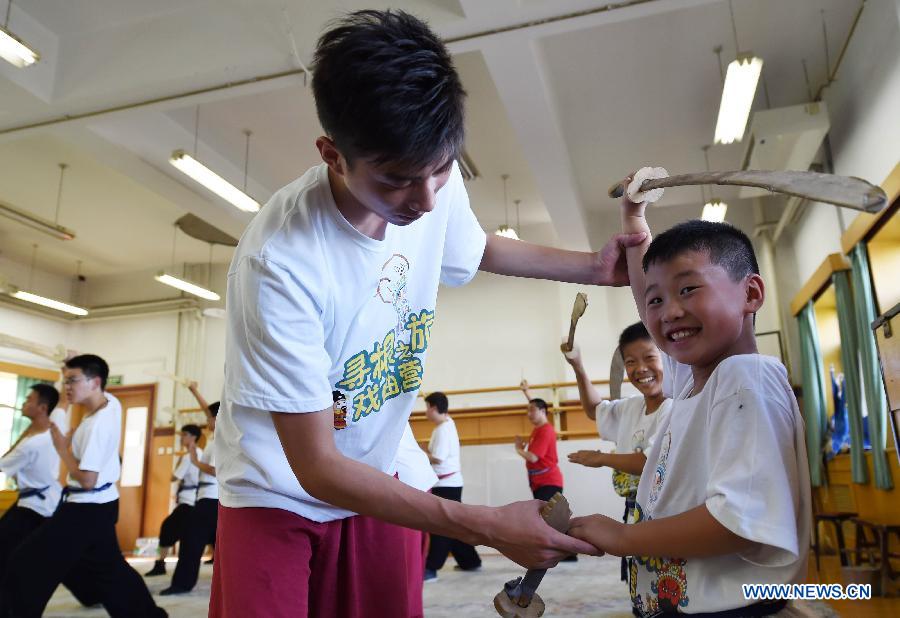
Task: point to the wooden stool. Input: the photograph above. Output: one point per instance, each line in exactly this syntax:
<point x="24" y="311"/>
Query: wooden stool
<point x="880" y="545"/>
<point x="837" y="518"/>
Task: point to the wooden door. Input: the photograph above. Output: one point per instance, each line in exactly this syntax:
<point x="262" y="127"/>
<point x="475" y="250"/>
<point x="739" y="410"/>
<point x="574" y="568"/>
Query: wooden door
<point x="138" y="408"/>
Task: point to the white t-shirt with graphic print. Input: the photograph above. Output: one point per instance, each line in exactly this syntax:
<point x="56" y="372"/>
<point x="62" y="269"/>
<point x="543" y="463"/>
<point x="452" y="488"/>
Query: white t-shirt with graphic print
<point x="322" y="316"/>
<point x="738" y="447"/>
<point x="626" y="422"/>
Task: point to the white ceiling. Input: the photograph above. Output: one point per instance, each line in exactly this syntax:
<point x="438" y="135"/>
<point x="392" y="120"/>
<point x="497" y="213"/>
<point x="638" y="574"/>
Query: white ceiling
<point x="564" y="105"/>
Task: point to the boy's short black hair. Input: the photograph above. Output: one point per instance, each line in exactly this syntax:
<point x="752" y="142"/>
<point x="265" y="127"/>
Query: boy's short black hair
<point x="539" y="403"/>
<point x="46" y="395"/>
<point x="194" y="430"/>
<point x="439" y="401"/>
<point x="385" y="87"/>
<point x="92" y="366"/>
<point x="214" y="408"/>
<point x="635" y="332"/>
<point x="726" y="245"/>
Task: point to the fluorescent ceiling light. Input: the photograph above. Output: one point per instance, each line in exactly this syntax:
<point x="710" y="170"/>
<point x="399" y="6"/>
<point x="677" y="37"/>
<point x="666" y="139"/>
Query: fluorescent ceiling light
<point x="35" y="223"/>
<point x="49" y="302"/>
<point x="14" y="51"/>
<point x="212" y="181"/>
<point x="187" y="286"/>
<point x="714" y="211"/>
<point x="737" y="98"/>
<point x="507" y="232"/>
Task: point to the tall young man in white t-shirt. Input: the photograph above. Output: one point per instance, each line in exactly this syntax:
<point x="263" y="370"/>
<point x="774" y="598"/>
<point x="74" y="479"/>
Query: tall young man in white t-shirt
<point x="443" y="453"/>
<point x="333" y="288"/>
<point x="725" y="497"/>
<point x="85" y="522"/>
<point x="34" y="463"/>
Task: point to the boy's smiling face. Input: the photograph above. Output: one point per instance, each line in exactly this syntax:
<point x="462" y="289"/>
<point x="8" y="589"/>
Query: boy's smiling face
<point x="643" y="365"/>
<point x="697" y="313"/>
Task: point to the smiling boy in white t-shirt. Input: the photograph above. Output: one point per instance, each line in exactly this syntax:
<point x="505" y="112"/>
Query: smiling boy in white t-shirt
<point x="725" y="497"/>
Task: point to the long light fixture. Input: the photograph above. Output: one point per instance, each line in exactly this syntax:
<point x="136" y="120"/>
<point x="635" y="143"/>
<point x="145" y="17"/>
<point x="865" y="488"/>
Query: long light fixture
<point x="212" y="181"/>
<point x="182" y="284"/>
<point x="187" y="286"/>
<point x="36" y="223"/>
<point x="12" y="48"/>
<point x="43" y="300"/>
<point x="49" y="302"/>
<point x="737" y="98"/>
<point x="714" y="211"/>
<point x="505" y="230"/>
<point x="738" y="91"/>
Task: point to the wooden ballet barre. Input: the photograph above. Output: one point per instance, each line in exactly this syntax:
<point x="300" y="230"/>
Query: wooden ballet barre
<point x="500" y="389"/>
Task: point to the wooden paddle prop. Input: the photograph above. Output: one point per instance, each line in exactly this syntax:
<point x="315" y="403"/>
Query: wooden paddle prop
<point x="577" y="311"/>
<point x="844" y="191"/>
<point x="518" y="598"/>
<point x="616" y="375"/>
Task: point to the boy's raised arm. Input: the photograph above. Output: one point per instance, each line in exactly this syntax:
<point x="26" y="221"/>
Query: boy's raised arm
<point x="634" y="222"/>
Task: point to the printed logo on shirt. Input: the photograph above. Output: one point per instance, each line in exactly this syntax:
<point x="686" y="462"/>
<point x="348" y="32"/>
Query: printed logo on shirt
<point x="668" y="581"/>
<point x="659" y="476"/>
<point x="392" y="289"/>
<point x="340" y="410"/>
<point x="391" y="367"/>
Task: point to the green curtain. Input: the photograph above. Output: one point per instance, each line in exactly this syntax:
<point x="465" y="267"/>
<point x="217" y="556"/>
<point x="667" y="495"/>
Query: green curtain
<point x="850" y="361"/>
<point x="873" y="385"/>
<point x="20" y="423"/>
<point x="813" y="391"/>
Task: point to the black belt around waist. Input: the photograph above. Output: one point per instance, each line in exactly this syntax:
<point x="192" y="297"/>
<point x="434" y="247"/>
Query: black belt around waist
<point x="205" y="483"/>
<point x="757" y="610"/>
<point x="83" y="490"/>
<point x="27" y="492"/>
<point x="182" y="488"/>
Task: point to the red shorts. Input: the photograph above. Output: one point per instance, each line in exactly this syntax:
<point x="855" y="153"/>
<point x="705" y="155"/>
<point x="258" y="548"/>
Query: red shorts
<point x="272" y="563"/>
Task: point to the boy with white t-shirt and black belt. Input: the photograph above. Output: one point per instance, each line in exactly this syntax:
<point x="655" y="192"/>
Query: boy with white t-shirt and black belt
<point x="200" y="528"/>
<point x="34" y="463"/>
<point x="333" y="288"/>
<point x="187" y="474"/>
<point x="81" y="535"/>
<point x="443" y="453"/>
<point x="725" y="497"/>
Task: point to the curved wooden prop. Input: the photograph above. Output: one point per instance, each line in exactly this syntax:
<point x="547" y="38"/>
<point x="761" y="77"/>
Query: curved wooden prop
<point x="577" y="311"/>
<point x="845" y="191"/>
<point x="169" y="376"/>
<point x="57" y="354"/>
<point x="616" y="375"/>
<point x="518" y="598"/>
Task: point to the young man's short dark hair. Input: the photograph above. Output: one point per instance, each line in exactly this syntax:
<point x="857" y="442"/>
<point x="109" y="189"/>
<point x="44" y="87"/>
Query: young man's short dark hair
<point x="385" y="87"/>
<point x="539" y="403"/>
<point x="214" y="408"/>
<point x="194" y="430"/>
<point x="439" y="401"/>
<point x="47" y="395"/>
<point x="635" y="332"/>
<point x="726" y="245"/>
<point x="92" y="366"/>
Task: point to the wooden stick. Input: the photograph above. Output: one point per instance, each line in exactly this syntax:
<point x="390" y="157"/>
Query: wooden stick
<point x="845" y="191"/>
<point x="577" y="311"/>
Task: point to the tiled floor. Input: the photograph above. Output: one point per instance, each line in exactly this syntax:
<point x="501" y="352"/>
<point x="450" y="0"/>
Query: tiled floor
<point x="590" y="587"/>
